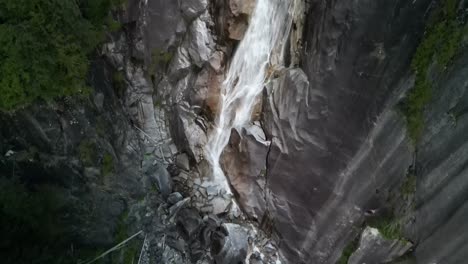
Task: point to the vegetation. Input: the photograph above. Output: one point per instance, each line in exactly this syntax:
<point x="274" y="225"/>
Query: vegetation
<point x="45" y="47"/>
<point x="388" y="226"/>
<point x="30" y="223"/>
<point x="159" y="60"/>
<point x="408" y="187"/>
<point x="441" y="42"/>
<point x="87" y="152"/>
<point x="107" y="164"/>
<point x="129" y="253"/>
<point x="118" y="81"/>
<point x="348" y="251"/>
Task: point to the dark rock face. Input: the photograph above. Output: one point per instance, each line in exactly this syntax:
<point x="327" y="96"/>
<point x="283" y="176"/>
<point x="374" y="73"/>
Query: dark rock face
<point x="340" y="148"/>
<point x="244" y="163"/>
<point x="440" y="197"/>
<point x="336" y="143"/>
<point x="81" y="147"/>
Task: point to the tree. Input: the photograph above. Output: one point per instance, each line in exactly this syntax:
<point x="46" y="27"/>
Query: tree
<point x="45" y="47"/>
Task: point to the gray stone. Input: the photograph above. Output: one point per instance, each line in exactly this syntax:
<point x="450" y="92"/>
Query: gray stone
<point x="162" y="178"/>
<point x="161" y="25"/>
<point x="184" y="175"/>
<point x="197" y="181"/>
<point x="191" y="9"/>
<point x="189" y="221"/>
<point x="173" y="210"/>
<point x="241" y="7"/>
<point x="190" y="137"/>
<point x="201" y="46"/>
<point x="182" y="161"/>
<point x="217" y="61"/>
<point x="207" y="209"/>
<point x="220" y="205"/>
<point x="374" y="248"/>
<point x="174" y="198"/>
<point x="230" y="244"/>
<point x="212" y="190"/>
<point x="99" y="100"/>
<point x="180" y="64"/>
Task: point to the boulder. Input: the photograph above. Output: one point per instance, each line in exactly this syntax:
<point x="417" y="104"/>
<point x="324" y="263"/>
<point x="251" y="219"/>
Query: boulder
<point x="189" y="221"/>
<point x="230" y="244"/>
<point x="374" y="248"/>
<point x="162" y="178"/>
<point x="191" y="9"/>
<point x="182" y="161"/>
<point x="174" y="198"/>
<point x="202" y="45"/>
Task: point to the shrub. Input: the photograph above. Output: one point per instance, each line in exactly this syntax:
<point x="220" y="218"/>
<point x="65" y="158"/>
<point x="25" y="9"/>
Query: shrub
<point x="87" y="152"/>
<point x="388" y="226"/>
<point x="44" y="47"/>
<point x="107" y="164"/>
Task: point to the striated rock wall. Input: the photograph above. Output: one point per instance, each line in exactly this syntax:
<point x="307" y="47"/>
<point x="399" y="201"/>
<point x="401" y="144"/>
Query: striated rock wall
<point x="340" y="154"/>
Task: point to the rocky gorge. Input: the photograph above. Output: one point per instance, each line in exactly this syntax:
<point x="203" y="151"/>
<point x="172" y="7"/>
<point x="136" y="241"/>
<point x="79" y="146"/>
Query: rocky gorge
<point x="353" y="150"/>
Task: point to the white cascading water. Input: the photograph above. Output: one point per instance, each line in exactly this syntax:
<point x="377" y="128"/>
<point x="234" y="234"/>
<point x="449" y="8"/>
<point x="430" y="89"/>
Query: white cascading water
<point x="267" y="32"/>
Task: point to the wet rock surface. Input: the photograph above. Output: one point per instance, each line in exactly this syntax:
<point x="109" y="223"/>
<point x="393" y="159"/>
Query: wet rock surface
<point x="230" y="244"/>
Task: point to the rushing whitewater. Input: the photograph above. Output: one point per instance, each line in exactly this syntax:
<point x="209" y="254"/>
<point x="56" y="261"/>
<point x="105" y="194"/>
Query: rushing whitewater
<point x="247" y="74"/>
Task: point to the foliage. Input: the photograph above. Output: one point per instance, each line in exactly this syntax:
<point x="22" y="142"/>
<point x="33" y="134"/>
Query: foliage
<point x="118" y="81"/>
<point x="87" y="152"/>
<point x="441" y="42"/>
<point x="30" y="224"/>
<point x="388" y="226"/>
<point x="409" y="185"/>
<point x="348" y="251"/>
<point x="128" y="253"/>
<point x="159" y="60"/>
<point x="44" y="47"/>
<point x="107" y="164"/>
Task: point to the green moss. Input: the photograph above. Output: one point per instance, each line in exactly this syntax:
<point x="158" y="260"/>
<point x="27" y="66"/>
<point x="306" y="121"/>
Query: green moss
<point x="107" y="164"/>
<point x="388" y="226"/>
<point x="122" y="233"/>
<point x="101" y="126"/>
<point x="408" y="187"/>
<point x="128" y="253"/>
<point x="159" y="60"/>
<point x="87" y="152"/>
<point x="441" y="43"/>
<point x="348" y="251"/>
<point x="157" y="103"/>
<point x="118" y="81"/>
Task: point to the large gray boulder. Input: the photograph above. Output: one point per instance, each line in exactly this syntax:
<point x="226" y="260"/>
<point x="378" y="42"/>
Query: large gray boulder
<point x="162" y="178"/>
<point x="191" y="9"/>
<point x="230" y="244"/>
<point x="201" y="46"/>
<point x="374" y="248"/>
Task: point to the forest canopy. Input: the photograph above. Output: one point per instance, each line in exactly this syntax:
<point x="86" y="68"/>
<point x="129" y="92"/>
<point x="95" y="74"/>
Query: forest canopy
<point x="45" y="47"/>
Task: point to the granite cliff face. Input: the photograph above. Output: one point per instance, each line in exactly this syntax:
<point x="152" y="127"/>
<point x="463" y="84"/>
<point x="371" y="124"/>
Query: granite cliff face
<point x="327" y="171"/>
<point x="341" y="157"/>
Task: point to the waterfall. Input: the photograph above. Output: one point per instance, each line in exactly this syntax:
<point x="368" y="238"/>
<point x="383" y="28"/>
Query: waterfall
<point x="259" y="51"/>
